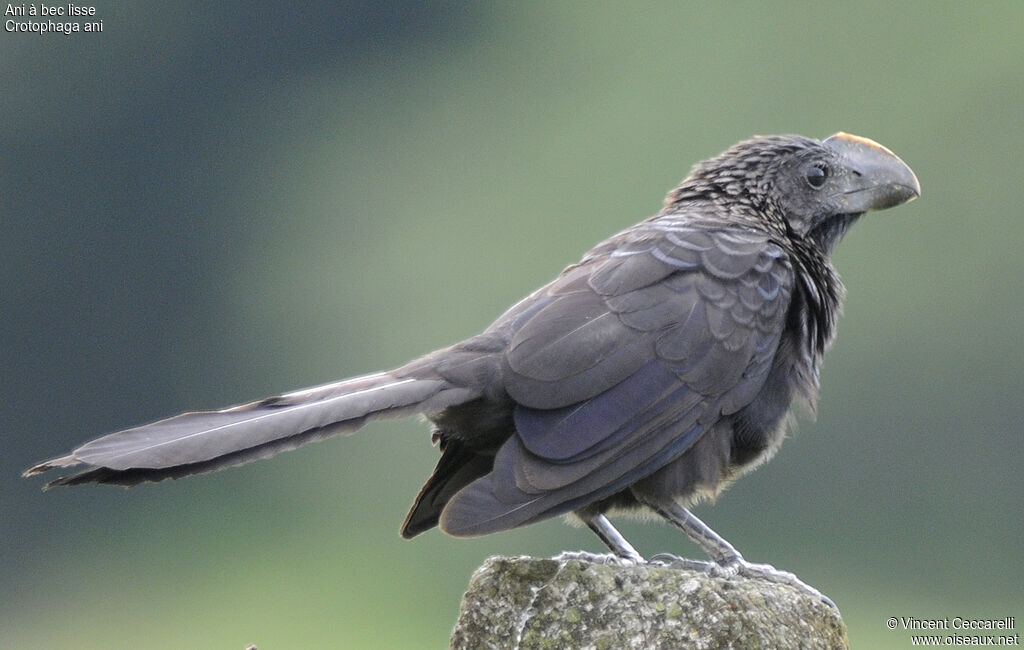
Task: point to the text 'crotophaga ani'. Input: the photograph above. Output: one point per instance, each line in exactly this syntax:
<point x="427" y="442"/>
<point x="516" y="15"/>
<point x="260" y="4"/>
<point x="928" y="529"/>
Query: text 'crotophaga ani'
<point x="650" y="373"/>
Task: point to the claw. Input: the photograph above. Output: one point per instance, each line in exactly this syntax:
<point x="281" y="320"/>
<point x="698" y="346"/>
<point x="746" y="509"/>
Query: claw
<point x="770" y="573"/>
<point x="599" y="558"/>
<point x="670" y="561"/>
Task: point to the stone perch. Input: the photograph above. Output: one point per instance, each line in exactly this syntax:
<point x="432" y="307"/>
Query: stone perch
<point x="526" y="603"/>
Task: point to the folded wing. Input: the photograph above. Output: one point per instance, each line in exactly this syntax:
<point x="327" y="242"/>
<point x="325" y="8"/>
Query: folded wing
<point x="629" y="359"/>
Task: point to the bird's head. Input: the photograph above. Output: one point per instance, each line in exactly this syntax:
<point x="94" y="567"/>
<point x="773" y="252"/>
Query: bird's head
<point x="817" y="187"/>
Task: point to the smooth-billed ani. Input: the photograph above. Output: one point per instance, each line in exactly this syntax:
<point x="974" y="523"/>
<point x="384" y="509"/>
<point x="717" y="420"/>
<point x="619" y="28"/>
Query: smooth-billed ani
<point x="652" y="372"/>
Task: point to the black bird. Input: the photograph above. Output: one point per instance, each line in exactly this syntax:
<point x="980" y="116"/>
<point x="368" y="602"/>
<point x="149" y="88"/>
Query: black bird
<point x="648" y="375"/>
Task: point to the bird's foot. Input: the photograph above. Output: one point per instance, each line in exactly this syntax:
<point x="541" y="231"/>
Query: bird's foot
<point x="599" y="558"/>
<point x="770" y="573"/>
<point x="732" y="565"/>
<point x="670" y="561"/>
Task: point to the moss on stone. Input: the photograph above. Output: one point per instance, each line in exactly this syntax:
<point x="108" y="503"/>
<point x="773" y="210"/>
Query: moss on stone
<point x="527" y="603"/>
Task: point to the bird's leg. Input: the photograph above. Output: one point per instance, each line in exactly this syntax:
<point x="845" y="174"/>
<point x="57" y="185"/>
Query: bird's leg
<point x="622" y="551"/>
<point x="725" y="559"/>
<point x="724" y="556"/>
<point x="613" y="539"/>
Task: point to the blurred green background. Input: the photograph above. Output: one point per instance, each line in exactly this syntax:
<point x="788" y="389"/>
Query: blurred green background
<point x="210" y="203"/>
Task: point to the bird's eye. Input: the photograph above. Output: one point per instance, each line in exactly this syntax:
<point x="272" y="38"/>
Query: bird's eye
<point x="816" y="175"/>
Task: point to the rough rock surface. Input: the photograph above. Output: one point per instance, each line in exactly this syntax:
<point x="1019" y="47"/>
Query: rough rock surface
<point x="521" y="603"/>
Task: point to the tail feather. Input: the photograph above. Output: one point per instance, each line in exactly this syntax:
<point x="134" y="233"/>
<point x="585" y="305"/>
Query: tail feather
<point x="204" y="441"/>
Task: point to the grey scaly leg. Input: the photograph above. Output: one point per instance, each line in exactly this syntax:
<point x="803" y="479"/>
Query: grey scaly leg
<point x="725" y="559"/>
<point x="622" y="551"/>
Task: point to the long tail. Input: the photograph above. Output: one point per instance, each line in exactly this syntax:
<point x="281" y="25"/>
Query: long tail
<point x="197" y="442"/>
